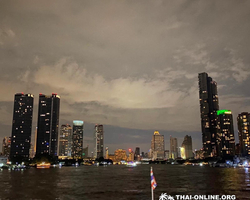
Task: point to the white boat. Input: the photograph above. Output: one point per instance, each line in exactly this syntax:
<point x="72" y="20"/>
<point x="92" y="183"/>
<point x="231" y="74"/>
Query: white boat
<point x="131" y="164"/>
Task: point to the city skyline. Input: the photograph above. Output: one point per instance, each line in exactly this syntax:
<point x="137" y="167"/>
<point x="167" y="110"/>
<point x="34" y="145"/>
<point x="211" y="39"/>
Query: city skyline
<point x="138" y="74"/>
<point x="223" y="144"/>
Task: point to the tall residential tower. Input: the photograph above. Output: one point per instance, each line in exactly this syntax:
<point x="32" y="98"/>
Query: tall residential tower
<point x="48" y="124"/>
<point x="187" y="146"/>
<point x="65" y="140"/>
<point x="208" y="107"/>
<point x="6" y="146"/>
<point x="98" y="141"/>
<point x="173" y="148"/>
<point x="21" y="126"/>
<point x="225" y="134"/>
<point x="77" y="145"/>
<point x="157" y="146"/>
<point x="243" y="131"/>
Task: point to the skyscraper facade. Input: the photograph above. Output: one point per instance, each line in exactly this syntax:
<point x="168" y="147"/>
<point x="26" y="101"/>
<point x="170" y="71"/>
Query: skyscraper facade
<point x="157" y="146"/>
<point x="187" y="145"/>
<point x="6" y="146"/>
<point x="48" y="124"/>
<point x="166" y="154"/>
<point x="225" y="134"/>
<point x="98" y="141"/>
<point x="107" y="153"/>
<point x="77" y="146"/>
<point x="21" y="126"/>
<point x="137" y="153"/>
<point x="173" y="148"/>
<point x="85" y="152"/>
<point x="120" y="155"/>
<point x="131" y="155"/>
<point x="65" y="140"/>
<point x="209" y="105"/>
<point x="243" y="121"/>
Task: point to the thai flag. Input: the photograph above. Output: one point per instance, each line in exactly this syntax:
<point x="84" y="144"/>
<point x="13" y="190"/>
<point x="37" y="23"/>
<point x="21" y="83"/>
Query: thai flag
<point x="153" y="182"/>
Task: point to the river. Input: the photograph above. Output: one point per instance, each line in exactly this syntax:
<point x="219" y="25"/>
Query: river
<point x="121" y="182"/>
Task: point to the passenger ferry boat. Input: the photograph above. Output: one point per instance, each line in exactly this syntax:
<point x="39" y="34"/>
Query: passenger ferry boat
<point x="43" y="165"/>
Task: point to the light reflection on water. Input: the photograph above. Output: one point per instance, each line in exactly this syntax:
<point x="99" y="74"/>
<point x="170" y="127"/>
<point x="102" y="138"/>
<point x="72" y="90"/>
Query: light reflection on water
<point x="120" y="182"/>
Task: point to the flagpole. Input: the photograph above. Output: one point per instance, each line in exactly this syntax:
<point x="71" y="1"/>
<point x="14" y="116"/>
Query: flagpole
<point x="152" y="190"/>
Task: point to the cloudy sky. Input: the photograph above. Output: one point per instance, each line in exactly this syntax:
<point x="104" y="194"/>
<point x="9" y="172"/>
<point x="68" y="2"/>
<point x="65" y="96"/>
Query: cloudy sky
<point x="130" y="65"/>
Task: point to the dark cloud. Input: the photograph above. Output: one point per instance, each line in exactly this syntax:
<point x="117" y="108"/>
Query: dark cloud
<point x="131" y="65"/>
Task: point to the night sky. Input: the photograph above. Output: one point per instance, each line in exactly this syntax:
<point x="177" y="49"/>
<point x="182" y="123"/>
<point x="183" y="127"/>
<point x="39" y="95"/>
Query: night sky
<point x="129" y="65"/>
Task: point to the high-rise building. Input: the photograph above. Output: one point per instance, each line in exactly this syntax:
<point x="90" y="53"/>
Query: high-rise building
<point x="187" y="145"/>
<point x="209" y="105"/>
<point x="35" y="141"/>
<point x="181" y="152"/>
<point x="65" y="140"/>
<point x="120" y="155"/>
<point x="85" y="152"/>
<point x="48" y="124"/>
<point x="77" y="146"/>
<point x="166" y="154"/>
<point x="107" y="152"/>
<point x="137" y="153"/>
<point x="237" y="149"/>
<point x="243" y="131"/>
<point x="142" y="154"/>
<point x="98" y="141"/>
<point x="131" y="155"/>
<point x="21" y="126"/>
<point x="199" y="154"/>
<point x="32" y="152"/>
<point x="173" y="148"/>
<point x="225" y="134"/>
<point x="6" y="146"/>
<point x="157" y="146"/>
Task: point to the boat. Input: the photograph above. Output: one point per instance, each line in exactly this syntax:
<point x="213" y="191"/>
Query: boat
<point x="87" y="164"/>
<point x="43" y="165"/>
<point x="131" y="164"/>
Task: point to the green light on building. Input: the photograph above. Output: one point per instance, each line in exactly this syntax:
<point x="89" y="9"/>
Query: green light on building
<point x="223" y="112"/>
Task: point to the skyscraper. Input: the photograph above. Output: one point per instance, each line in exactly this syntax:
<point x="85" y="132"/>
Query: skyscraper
<point x="98" y="141"/>
<point x="21" y="126"/>
<point x="77" y="146"/>
<point x="225" y="134"/>
<point x="107" y="153"/>
<point x="137" y="153"/>
<point x="187" y="145"/>
<point x="85" y="152"/>
<point x="166" y="154"/>
<point x="131" y="155"/>
<point x="157" y="146"/>
<point x="6" y="146"/>
<point x="208" y="107"/>
<point x="48" y="124"/>
<point x="65" y="140"/>
<point x="243" y="120"/>
<point x="173" y="148"/>
<point x="120" y="155"/>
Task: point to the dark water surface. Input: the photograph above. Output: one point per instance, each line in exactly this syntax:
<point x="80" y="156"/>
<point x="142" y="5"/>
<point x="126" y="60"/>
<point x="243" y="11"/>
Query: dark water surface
<point x="121" y="182"/>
